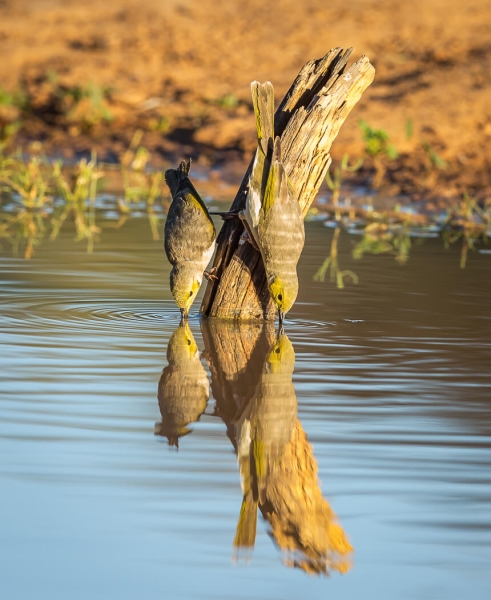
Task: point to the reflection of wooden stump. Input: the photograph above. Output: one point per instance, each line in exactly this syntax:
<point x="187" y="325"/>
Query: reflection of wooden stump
<point x="302" y="521"/>
<point x="233" y="344"/>
<point x="235" y="353"/>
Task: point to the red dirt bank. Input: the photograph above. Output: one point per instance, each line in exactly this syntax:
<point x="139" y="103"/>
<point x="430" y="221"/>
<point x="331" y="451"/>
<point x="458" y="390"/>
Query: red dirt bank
<point x="180" y="70"/>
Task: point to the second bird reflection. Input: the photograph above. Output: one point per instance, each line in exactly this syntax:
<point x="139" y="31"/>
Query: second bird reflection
<point x="184" y="388"/>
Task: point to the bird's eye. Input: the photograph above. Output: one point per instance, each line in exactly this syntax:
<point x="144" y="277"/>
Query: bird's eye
<point x="280" y="297"/>
<point x="277" y="350"/>
<point x="190" y="293"/>
<point x="189" y="342"/>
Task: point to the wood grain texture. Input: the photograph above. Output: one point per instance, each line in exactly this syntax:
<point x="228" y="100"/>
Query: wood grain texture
<point x="308" y="120"/>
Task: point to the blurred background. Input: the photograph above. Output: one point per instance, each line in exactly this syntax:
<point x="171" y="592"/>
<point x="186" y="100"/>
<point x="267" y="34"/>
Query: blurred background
<point x="77" y="75"/>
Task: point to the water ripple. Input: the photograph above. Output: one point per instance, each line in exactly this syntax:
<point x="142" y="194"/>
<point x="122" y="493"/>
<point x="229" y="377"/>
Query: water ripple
<point x="103" y="314"/>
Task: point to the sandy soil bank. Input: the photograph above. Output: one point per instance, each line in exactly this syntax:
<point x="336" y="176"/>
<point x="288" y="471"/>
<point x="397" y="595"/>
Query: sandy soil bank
<point x="81" y="74"/>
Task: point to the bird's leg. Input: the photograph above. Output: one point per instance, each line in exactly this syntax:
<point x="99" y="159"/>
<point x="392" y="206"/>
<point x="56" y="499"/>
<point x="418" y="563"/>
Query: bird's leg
<point x="249" y="237"/>
<point x="227" y="216"/>
<point x="210" y="275"/>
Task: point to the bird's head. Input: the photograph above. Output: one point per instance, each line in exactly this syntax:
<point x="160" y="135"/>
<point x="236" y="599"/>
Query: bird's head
<point x="284" y="292"/>
<point x="184" y="285"/>
<point x="182" y="347"/>
<point x="281" y="355"/>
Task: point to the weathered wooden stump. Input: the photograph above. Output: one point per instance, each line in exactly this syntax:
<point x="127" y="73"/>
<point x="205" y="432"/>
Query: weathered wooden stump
<point x="308" y="119"/>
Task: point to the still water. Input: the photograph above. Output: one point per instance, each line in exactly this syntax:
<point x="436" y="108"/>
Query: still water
<point x="112" y="488"/>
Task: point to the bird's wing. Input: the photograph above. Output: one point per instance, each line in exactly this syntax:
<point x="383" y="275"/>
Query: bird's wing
<point x="189" y="233"/>
<point x="260" y="450"/>
<point x="276" y="191"/>
<point x="180" y="186"/>
<point x="281" y="228"/>
<point x="189" y="230"/>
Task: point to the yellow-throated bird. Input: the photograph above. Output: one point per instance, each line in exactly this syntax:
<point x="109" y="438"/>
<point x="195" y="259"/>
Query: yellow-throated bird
<point x="189" y="237"/>
<point x="272" y="215"/>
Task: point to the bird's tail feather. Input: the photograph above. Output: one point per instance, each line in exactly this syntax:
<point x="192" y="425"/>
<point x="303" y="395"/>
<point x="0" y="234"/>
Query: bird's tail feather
<point x="175" y="177"/>
<point x="245" y="535"/>
<point x="263" y="102"/>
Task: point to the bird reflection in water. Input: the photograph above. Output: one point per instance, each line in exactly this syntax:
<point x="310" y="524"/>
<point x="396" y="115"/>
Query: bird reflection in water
<point x="184" y="387"/>
<point x="251" y="378"/>
<point x="263" y="428"/>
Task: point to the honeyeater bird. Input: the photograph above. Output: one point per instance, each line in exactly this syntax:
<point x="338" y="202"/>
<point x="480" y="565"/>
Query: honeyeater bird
<point x="262" y="432"/>
<point x="272" y="216"/>
<point x="189" y="237"/>
<point x="184" y="388"/>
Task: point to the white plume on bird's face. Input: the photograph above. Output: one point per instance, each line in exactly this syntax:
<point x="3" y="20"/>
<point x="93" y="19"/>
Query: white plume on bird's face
<point x="272" y="215"/>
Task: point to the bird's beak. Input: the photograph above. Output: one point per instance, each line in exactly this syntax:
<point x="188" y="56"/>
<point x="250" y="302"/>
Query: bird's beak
<point x="281" y="316"/>
<point x="184" y="315"/>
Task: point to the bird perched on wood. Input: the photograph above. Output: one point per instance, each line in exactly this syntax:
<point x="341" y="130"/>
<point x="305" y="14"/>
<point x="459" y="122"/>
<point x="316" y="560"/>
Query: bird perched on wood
<point x="189" y="238"/>
<point x="272" y="216"/>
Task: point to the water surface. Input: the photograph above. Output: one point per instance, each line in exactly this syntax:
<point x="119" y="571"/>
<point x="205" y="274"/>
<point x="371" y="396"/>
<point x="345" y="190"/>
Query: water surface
<point x="393" y="389"/>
